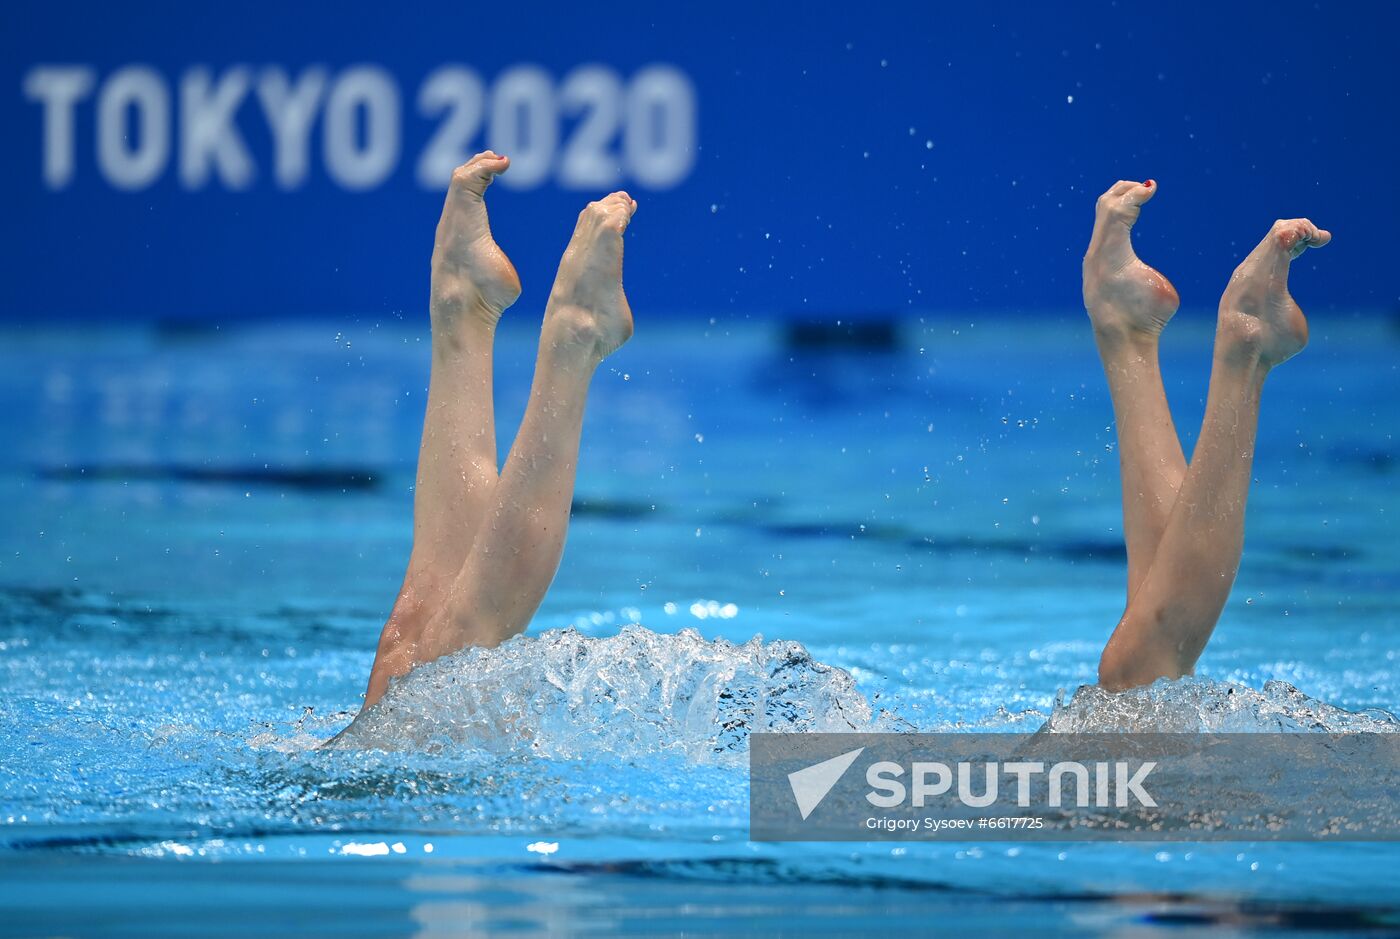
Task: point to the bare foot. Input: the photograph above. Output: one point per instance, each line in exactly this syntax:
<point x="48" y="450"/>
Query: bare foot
<point x="587" y="307"/>
<point x="1257" y="310"/>
<point x="1123" y="295"/>
<point x="471" y="274"/>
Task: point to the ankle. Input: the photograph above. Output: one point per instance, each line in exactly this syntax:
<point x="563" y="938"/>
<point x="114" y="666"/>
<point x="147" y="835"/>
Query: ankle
<point x="456" y="307"/>
<point x="572" y="335"/>
<point x="1241" y="339"/>
<point x="1114" y="332"/>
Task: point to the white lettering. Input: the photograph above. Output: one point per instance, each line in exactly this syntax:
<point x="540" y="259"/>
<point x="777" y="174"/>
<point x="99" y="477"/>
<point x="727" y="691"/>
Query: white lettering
<point x="883" y="777"/>
<point x="660" y="133"/>
<point x="460" y="93"/>
<point x="291" y="110"/>
<point x="922" y="788"/>
<point x="586" y="162"/>
<point x="1081" y="787"/>
<point x="593" y="131"/>
<point x="58" y="88"/>
<point x="1134" y="785"/>
<point x="208" y="136"/>
<point x="127" y="164"/>
<point x="371" y="90"/>
<point x="1023" y="773"/>
<point x="989" y="794"/>
<point x="524" y="125"/>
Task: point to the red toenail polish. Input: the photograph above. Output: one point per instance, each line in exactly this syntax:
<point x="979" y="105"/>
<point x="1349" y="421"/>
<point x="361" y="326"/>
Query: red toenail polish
<point x="1148" y="184"/>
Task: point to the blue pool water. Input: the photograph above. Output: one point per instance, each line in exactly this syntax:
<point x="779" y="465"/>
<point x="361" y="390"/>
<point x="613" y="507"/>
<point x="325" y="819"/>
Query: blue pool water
<point x="204" y="532"/>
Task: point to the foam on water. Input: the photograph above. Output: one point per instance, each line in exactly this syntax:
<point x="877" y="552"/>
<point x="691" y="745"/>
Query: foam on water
<point x="1200" y="705"/>
<point x="566" y="695"/>
<point x="563" y="695"/>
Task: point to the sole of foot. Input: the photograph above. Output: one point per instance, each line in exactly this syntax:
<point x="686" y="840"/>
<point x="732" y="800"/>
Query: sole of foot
<point x="471" y="274"/>
<point x="1124" y="296"/>
<point x="1257" y="313"/>
<point x="587" y="307"/>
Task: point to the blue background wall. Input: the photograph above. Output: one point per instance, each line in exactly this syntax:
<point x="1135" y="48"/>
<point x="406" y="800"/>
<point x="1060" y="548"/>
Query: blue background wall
<point x="850" y="160"/>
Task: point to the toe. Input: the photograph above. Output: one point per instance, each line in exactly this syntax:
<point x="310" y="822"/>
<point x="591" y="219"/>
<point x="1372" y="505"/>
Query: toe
<point x="1140" y="193"/>
<point x="1309" y="236"/>
<point x="611" y="213"/>
<point x="1296" y="235"/>
<point x="1124" y="197"/>
<point x="485" y="155"/>
<point x="619" y="215"/>
<point x="478" y="172"/>
<point x="626" y="205"/>
<point x="621" y="199"/>
<point x="1123" y="186"/>
<point x="1313" y="236"/>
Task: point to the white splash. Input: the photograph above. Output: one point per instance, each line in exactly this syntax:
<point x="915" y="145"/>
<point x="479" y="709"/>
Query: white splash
<point x="1199" y="705"/>
<point x="564" y="695"/>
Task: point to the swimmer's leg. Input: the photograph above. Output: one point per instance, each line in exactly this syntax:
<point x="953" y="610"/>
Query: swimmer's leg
<point x="472" y="284"/>
<point x="1129" y="303"/>
<point x="1170" y="618"/>
<point x="520" y="540"/>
